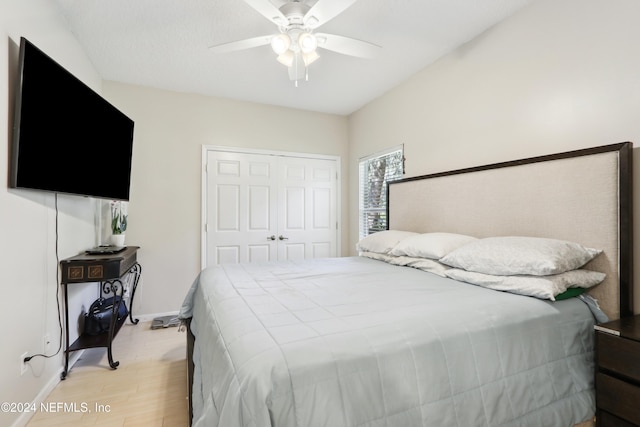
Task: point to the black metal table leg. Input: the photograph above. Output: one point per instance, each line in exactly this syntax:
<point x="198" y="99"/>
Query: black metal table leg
<point x="113" y="286"/>
<point x="136" y="271"/>
<point x="63" y="375"/>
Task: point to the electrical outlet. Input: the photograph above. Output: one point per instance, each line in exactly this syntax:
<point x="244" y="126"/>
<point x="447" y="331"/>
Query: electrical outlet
<point x="47" y="342"/>
<point x="23" y="364"/>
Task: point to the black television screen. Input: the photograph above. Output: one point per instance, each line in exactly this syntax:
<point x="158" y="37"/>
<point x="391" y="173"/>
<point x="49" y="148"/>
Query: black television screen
<point x="66" y="137"/>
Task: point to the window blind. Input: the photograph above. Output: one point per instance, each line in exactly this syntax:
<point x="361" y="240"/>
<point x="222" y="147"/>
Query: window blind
<point x="375" y="171"/>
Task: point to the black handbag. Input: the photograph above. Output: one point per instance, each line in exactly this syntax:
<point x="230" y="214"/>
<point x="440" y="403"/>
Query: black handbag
<point x="98" y="319"/>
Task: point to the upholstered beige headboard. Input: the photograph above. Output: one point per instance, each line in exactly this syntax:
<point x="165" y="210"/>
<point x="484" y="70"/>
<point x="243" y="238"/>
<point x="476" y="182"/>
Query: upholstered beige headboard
<point x="581" y="196"/>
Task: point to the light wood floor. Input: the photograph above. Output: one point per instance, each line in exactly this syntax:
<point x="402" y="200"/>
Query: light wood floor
<point x="149" y="388"/>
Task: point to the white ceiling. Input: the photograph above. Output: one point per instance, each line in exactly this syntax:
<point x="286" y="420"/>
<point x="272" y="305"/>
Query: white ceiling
<point x="165" y="44"/>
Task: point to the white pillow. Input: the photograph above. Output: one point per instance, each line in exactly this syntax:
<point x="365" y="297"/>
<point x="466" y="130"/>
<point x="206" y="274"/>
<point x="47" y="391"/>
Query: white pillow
<point x="506" y="256"/>
<point x="383" y="241"/>
<point x="544" y="287"/>
<point x="401" y="260"/>
<point x="424" y="264"/>
<point x="430" y="245"/>
<point x="379" y="257"/>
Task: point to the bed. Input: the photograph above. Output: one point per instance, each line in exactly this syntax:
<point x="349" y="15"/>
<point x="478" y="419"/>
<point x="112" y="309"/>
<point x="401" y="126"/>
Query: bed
<point x="388" y="339"/>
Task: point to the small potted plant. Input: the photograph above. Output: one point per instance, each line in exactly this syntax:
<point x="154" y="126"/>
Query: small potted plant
<point x="118" y="222"/>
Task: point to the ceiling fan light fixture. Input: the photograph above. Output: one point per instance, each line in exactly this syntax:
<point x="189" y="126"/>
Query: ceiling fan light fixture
<point x="310" y="58"/>
<point x="307" y="42"/>
<point x="297" y="71"/>
<point x="280" y="43"/>
<point x="286" y="58"/>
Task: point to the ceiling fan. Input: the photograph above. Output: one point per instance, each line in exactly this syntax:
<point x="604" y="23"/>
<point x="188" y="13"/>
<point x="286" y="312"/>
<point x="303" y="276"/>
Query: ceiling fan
<point x="297" y="42"/>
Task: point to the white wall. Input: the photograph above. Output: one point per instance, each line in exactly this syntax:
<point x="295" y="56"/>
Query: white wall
<point x="558" y="75"/>
<point x="165" y="205"/>
<point x="28" y="262"/>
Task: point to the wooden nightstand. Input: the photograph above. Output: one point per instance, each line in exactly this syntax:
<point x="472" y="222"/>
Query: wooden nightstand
<point x="618" y="373"/>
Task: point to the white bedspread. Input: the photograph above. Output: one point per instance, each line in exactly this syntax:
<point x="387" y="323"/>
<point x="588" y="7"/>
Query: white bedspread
<point x="358" y="342"/>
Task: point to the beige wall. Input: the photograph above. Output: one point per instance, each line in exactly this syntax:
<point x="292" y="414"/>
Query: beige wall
<point x="557" y="76"/>
<point x="165" y="207"/>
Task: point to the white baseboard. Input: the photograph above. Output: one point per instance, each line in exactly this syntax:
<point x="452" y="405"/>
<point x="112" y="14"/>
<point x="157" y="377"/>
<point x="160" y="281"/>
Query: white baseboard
<point x="24" y="418"/>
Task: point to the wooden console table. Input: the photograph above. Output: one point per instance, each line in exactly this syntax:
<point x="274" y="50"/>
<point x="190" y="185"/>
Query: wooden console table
<point x="112" y="271"/>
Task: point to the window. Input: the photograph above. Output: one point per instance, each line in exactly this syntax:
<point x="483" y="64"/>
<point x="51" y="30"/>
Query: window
<point x="375" y="171"/>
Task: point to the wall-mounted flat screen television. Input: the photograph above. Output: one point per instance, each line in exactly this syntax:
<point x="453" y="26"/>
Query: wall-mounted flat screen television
<point x="66" y="137"/>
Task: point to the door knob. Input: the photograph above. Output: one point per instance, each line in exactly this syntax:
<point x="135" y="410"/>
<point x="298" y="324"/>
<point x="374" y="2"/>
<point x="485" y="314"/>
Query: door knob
<point x="281" y="237"/>
<point x="272" y="237"/>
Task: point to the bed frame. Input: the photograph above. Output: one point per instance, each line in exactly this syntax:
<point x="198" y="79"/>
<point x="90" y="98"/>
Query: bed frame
<point x="584" y="196"/>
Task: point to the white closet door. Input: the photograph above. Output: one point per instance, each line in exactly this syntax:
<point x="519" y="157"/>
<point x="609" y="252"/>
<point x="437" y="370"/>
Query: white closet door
<point x="241" y="208"/>
<point x="264" y="207"/>
<point x="307" y="218"/>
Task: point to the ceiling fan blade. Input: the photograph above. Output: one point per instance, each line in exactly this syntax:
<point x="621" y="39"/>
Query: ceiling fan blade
<point x="241" y="44"/>
<point x="268" y="10"/>
<point x="324" y="11"/>
<point x="347" y="45"/>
